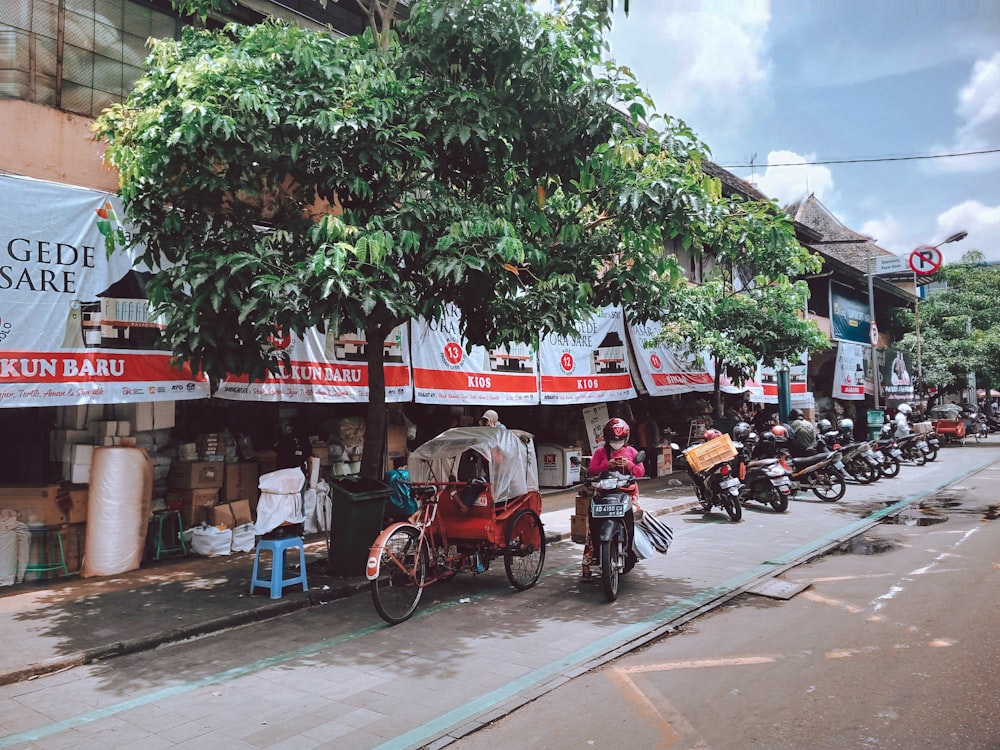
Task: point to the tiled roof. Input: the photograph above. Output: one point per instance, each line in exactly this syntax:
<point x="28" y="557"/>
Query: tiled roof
<point x="837" y="240"/>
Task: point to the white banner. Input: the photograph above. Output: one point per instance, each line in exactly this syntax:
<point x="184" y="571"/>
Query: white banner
<point x="589" y="366"/>
<point x="328" y="369"/>
<point x="444" y="372"/>
<point x="849" y="372"/>
<point x="664" y="372"/>
<point x="75" y="325"/>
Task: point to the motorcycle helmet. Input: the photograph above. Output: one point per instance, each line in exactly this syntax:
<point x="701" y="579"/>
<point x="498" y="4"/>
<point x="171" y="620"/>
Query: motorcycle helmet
<point x="616" y="433"/>
<point x="824" y="425"/>
<point x="796" y="414"/>
<point x="905" y="409"/>
<point x="741" y="431"/>
<point x="779" y="431"/>
<point x="711" y="435"/>
<point x="846" y="425"/>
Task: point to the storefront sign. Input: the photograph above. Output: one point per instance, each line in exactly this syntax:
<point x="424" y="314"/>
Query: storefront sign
<point x="849" y="317"/>
<point x="327" y="368"/>
<point x="588" y="366"/>
<point x="763" y="388"/>
<point x="445" y="371"/>
<point x="75" y="325"/>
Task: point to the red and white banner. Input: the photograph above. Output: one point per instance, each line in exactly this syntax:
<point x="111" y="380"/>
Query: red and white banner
<point x="324" y="368"/>
<point x="664" y="372"/>
<point x="590" y="366"/>
<point x="445" y="372"/>
<point x="849" y="372"/>
<point x="75" y="325"/>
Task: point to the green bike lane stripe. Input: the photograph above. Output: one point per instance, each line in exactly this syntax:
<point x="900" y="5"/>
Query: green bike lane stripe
<point x="438" y="726"/>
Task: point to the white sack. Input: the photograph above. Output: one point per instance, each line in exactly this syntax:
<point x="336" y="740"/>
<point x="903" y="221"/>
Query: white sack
<point x="280" y="499"/>
<point x="121" y="490"/>
<point x="244" y="538"/>
<point x="211" y="541"/>
<point x="15" y="547"/>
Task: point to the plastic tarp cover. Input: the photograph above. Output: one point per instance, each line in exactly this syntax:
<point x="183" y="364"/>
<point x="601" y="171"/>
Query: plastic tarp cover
<point x="280" y="499"/>
<point x="15" y="546"/>
<point x="121" y="491"/>
<point x="509" y="456"/>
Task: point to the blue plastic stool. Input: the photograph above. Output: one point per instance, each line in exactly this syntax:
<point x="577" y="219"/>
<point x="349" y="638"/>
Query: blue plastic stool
<point x="277" y="582"/>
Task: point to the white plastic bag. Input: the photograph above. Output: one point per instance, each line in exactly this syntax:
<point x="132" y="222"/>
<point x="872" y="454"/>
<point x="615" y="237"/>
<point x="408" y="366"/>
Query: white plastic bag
<point x="244" y="538"/>
<point x="641" y="544"/>
<point x="280" y="499"/>
<point x="211" y="541"/>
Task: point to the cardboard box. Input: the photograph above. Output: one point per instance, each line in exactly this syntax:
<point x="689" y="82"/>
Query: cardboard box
<point x="582" y="505"/>
<point x="664" y="461"/>
<point x="79" y="497"/>
<point x="195" y="475"/>
<point x="34" y="503"/>
<point x="231" y="514"/>
<point x="194" y="505"/>
<point x="578" y="528"/>
<point x="239" y="481"/>
<point x="164" y="414"/>
<point x="74" y="538"/>
<point x="395" y="440"/>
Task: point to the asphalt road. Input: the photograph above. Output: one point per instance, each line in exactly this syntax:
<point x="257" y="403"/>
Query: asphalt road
<point x="476" y="651"/>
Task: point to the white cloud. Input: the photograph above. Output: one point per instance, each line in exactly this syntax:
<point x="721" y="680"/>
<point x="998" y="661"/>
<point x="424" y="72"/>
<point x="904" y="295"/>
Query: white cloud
<point x="790" y="183"/>
<point x="979" y="109"/>
<point x="980" y="221"/>
<point x="699" y="63"/>
<point x="889" y="234"/>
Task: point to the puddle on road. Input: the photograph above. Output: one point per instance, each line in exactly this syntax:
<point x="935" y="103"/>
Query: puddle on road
<point x="866" y="545"/>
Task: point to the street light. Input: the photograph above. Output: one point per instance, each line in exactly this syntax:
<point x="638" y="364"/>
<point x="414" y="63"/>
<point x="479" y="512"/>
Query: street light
<point x="956" y="237"/>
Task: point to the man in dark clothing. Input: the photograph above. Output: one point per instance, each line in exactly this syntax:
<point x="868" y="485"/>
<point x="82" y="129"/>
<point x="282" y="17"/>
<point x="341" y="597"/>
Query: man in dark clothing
<point x="803" y="441"/>
<point x="293" y="449"/>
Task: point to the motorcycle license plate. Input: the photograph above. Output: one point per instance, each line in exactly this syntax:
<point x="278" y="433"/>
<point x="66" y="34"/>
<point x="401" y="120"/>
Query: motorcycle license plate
<point x="607" y="510"/>
<point x="896" y="453"/>
<point x="839" y="465"/>
<point x="783" y="482"/>
<point x="922" y="445"/>
<point x="727" y="483"/>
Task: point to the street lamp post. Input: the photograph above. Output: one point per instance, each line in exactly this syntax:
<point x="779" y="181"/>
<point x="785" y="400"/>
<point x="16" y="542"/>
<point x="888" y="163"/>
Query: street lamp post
<point x="956" y="237"/>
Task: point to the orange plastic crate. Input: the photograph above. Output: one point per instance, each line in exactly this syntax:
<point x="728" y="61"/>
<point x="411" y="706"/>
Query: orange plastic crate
<point x="707" y="455"/>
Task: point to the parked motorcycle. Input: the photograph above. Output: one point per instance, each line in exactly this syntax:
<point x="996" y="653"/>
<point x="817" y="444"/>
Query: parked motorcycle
<point x="914" y="448"/>
<point x="612" y="525"/>
<point x="822" y="473"/>
<point x="859" y="460"/>
<point x="763" y="479"/>
<point x="715" y="484"/>
<point x="891" y="456"/>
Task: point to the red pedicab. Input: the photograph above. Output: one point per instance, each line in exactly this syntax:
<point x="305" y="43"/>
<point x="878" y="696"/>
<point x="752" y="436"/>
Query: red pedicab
<point x="947" y="422"/>
<point x="477" y="489"/>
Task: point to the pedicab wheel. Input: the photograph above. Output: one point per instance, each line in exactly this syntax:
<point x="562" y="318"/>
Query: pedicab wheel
<point x="396" y="592"/>
<point x="890" y="467"/>
<point x="831" y="486"/>
<point x="612" y="558"/>
<point x="733" y="508"/>
<point x="524" y="554"/>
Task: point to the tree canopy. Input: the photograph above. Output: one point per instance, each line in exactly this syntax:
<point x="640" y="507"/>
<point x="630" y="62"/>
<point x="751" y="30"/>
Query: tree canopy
<point x="482" y="155"/>
<point x="959" y="326"/>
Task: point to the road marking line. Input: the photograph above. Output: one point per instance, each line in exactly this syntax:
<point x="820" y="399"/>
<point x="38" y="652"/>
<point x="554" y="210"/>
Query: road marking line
<point x="738" y="661"/>
<point x="644" y="707"/>
<point x="819" y="599"/>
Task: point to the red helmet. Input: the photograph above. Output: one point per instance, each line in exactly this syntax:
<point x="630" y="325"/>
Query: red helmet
<point x="616" y="430"/>
<point x="711" y="434"/>
<point x="779" y="430"/>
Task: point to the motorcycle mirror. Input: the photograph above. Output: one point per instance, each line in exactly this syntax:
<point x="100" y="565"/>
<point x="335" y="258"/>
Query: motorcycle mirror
<point x="639" y="457"/>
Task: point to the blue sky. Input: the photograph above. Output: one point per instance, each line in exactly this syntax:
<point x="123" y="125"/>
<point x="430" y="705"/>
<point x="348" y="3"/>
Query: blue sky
<point x="799" y="81"/>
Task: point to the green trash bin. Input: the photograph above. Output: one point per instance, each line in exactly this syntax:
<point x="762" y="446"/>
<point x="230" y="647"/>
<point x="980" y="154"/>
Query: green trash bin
<point x="876" y="420"/>
<point x="356" y="519"/>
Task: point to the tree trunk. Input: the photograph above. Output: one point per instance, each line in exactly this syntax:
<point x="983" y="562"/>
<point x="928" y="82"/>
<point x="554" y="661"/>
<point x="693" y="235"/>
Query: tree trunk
<point x="717" y="393"/>
<point x="373" y="453"/>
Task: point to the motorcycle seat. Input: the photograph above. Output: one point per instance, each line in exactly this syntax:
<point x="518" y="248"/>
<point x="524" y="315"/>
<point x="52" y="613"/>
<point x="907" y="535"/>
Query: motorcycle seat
<point x="758" y="463"/>
<point x="805" y="461"/>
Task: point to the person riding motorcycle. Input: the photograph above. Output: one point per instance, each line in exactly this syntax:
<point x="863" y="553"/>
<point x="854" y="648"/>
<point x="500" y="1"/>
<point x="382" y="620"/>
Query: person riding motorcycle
<point x="901" y="421"/>
<point x="614" y="455"/>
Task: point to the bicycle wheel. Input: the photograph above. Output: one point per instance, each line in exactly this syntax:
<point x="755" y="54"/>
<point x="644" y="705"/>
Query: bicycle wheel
<point x="524" y="553"/>
<point x="396" y="592"/>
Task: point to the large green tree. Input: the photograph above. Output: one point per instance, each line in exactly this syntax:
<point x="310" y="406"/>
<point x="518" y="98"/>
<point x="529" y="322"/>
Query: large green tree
<point x="959" y="326"/>
<point x="280" y="179"/>
<point x="750" y="307"/>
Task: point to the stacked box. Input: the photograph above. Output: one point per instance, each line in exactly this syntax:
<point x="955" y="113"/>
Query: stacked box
<point x="239" y="482"/>
<point x="37" y="504"/>
<point x="578" y="528"/>
<point x="195" y="475"/>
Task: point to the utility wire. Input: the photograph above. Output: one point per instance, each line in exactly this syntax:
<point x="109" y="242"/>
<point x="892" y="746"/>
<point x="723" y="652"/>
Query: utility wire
<point x="753" y="165"/>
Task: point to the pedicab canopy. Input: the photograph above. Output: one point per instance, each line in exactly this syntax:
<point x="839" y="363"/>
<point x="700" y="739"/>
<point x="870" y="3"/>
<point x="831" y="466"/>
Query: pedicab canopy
<point x="508" y="458"/>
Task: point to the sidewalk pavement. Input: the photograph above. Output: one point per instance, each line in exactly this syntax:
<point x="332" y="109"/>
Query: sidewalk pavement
<point x="52" y="625"/>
